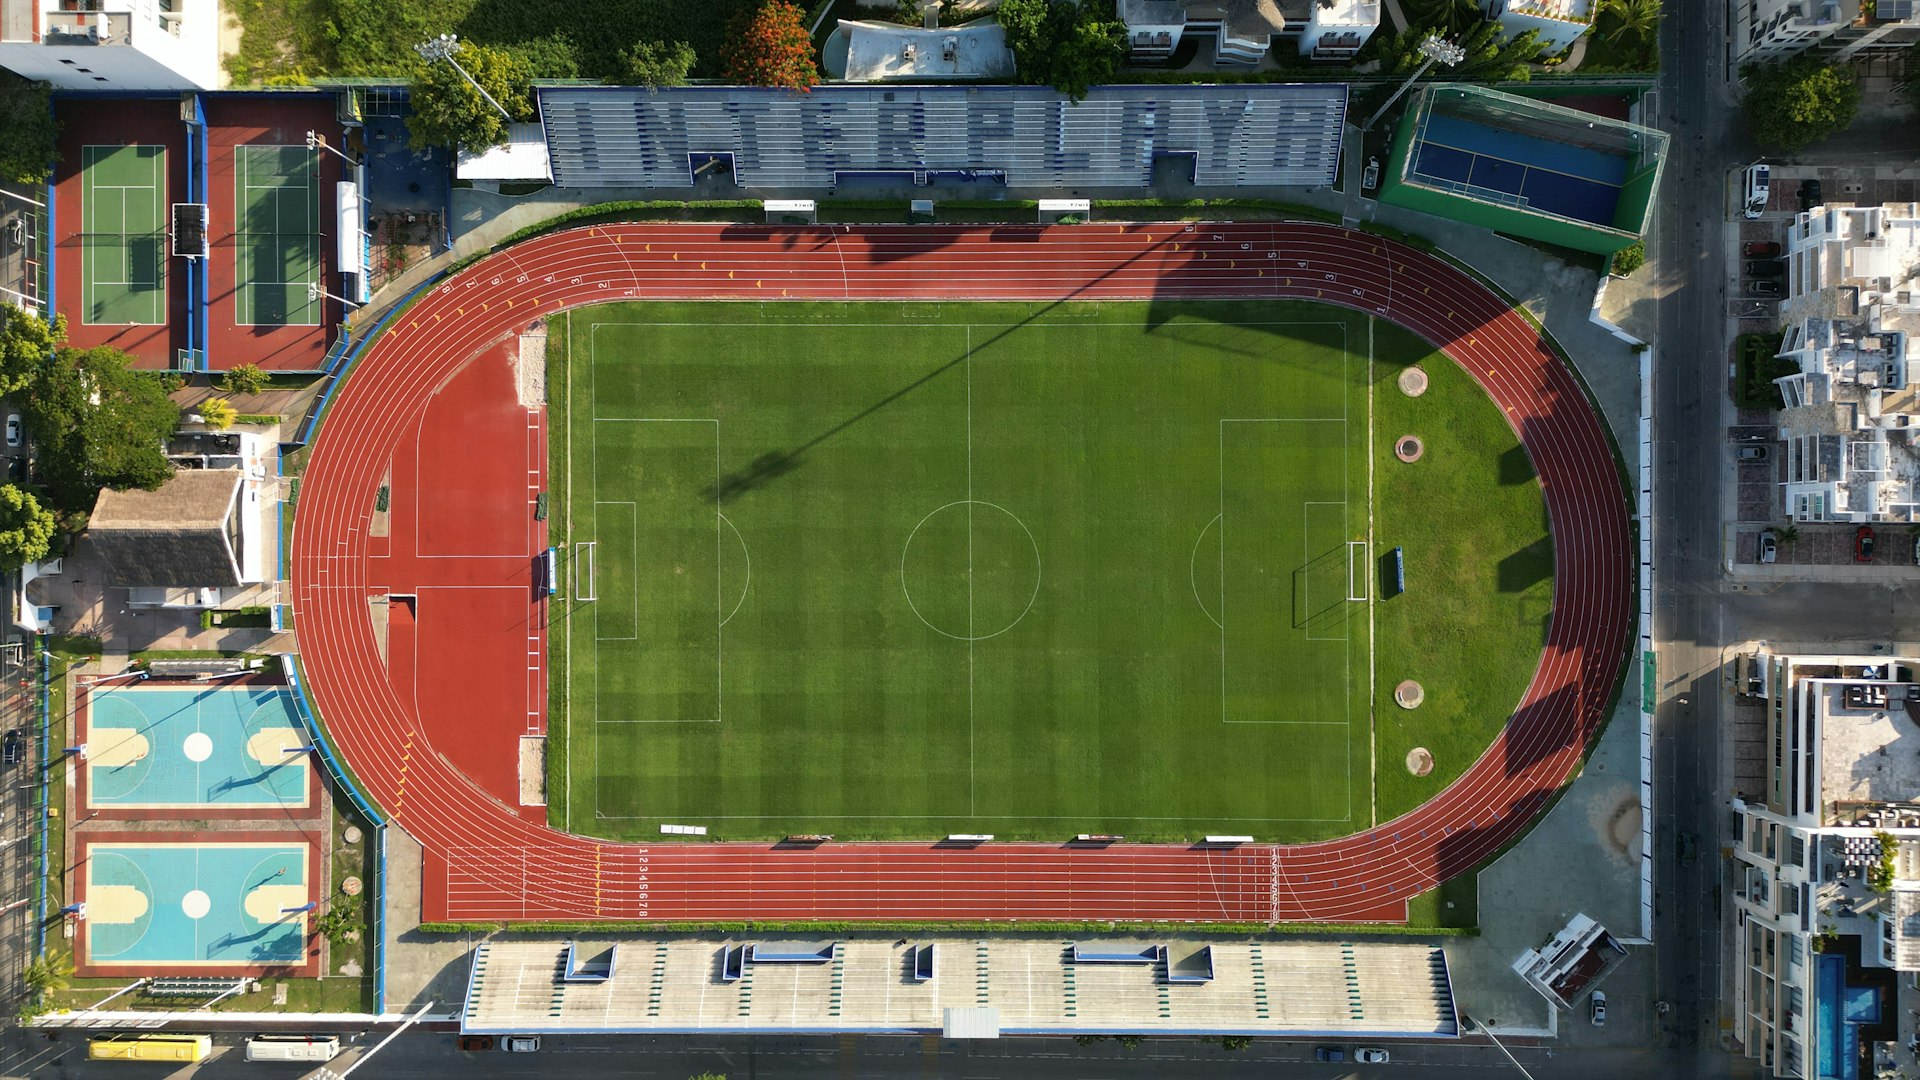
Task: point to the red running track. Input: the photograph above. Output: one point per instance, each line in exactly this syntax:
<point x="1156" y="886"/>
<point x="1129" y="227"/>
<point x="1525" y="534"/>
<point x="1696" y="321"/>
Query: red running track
<point x="486" y="860"/>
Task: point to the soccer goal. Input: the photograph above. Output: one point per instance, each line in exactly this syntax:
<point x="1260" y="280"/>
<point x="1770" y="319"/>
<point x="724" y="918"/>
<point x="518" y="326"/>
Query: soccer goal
<point x="1357" y="570"/>
<point x="583" y="588"/>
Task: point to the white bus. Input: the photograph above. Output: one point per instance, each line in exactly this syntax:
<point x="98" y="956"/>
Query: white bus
<point x="293" y="1048"/>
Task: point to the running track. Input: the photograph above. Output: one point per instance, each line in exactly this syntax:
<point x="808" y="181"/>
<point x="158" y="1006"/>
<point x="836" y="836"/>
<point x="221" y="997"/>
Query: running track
<point x="485" y="860"/>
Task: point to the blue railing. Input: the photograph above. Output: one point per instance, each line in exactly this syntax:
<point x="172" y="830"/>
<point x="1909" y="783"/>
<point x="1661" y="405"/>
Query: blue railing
<point x="302" y="708"/>
<point x="337" y="368"/>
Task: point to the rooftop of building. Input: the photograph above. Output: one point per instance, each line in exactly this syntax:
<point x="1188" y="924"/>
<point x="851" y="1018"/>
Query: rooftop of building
<point x="1574" y="11"/>
<point x="1010" y="985"/>
<point x="1869" y="741"/>
<point x="174" y="535"/>
<point x="878" y="51"/>
<point x="1246" y="19"/>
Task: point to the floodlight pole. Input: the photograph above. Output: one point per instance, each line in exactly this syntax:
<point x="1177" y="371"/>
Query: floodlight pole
<point x="317" y="141"/>
<point x="1434" y="49"/>
<point x="1488" y="1032"/>
<point x="315" y="292"/>
<point x="443" y="48"/>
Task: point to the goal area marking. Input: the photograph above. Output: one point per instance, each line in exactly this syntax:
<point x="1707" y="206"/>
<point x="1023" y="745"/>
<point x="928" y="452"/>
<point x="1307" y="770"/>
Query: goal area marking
<point x="583" y="588"/>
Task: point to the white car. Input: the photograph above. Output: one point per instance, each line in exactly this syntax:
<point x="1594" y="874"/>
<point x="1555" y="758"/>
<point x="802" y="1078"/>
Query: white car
<point x="520" y="1044"/>
<point x="1370" y="1055"/>
<point x="1598" y="1010"/>
<point x="13" y="429"/>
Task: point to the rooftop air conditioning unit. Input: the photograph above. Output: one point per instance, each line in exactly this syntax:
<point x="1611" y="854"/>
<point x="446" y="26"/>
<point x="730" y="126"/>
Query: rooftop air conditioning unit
<point x="950" y="49"/>
<point x="906" y="52"/>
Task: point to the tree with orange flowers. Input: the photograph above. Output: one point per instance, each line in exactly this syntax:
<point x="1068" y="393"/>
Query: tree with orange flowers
<point x="768" y="45"/>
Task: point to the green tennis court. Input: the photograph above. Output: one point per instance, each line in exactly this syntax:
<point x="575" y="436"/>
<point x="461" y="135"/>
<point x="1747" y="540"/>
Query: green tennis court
<point x="123" y="236"/>
<point x="277" y="256"/>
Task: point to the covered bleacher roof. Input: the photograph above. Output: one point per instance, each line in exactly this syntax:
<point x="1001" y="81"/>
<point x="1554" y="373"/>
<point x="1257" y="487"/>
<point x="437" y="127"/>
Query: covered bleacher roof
<point x="1238" y="135"/>
<point x="978" y="987"/>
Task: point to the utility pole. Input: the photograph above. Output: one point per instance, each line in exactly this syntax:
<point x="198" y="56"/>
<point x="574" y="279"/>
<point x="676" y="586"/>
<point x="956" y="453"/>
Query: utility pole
<point x="1435" y="50"/>
<point x="443" y="48"/>
<point x="1488" y="1032"/>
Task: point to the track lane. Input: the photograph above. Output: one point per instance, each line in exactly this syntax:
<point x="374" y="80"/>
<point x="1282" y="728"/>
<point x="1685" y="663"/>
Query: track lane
<point x="495" y="865"/>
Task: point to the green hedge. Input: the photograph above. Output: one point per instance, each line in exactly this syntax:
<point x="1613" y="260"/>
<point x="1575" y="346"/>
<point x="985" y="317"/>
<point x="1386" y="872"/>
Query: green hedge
<point x="1757" y="367"/>
<point x="263" y="419"/>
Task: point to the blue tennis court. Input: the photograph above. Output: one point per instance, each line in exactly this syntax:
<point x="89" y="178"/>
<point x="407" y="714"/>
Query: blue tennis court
<point x="1505" y="166"/>
<point x="196" y="904"/>
<point x="223" y="746"/>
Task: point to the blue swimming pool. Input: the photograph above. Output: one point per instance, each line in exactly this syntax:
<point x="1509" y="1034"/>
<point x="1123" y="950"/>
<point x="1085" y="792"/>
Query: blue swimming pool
<point x="219" y="746"/>
<point x="194" y="905"/>
<point x="1839" y="1010"/>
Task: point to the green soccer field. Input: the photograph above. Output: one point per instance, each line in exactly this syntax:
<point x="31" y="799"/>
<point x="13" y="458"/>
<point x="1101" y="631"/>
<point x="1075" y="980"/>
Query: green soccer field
<point x="888" y="570"/>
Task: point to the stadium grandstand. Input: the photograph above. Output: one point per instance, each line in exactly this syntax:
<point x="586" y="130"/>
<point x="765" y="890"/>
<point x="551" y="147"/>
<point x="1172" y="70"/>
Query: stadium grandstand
<point x="1228" y="136"/>
<point x="962" y="987"/>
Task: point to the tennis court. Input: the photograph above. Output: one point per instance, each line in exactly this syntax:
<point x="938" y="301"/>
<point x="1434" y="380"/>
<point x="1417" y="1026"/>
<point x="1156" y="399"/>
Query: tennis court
<point x="197" y="746"/>
<point x="123" y="235"/>
<point x="196" y="904"/>
<point x="1506" y="166"/>
<point x="277" y="256"/>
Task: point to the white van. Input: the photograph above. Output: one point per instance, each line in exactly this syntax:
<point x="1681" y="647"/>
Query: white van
<point x="293" y="1048"/>
<point x="1755" y="189"/>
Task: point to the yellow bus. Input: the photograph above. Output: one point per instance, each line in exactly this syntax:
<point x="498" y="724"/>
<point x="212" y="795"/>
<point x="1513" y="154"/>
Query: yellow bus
<point x="149" y="1047"/>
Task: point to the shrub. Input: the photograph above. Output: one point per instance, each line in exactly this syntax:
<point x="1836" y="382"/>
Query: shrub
<point x="244" y="379"/>
<point x="654" y="64"/>
<point x="1629" y="259"/>
<point x="218" y="413"/>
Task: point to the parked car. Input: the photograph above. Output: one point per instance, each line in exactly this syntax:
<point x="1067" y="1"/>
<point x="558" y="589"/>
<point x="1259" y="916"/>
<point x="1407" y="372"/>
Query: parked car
<point x="1916" y="549"/>
<point x="1370" y="176"/>
<point x="1766" y="268"/>
<point x="13" y="748"/>
<point x="17" y="470"/>
<point x="1687" y="847"/>
<point x="1329" y="1053"/>
<point x="1767" y="287"/>
<point x="1751" y="453"/>
<point x="1597" y="1009"/>
<point x="520" y="1044"/>
<point x="473" y="1044"/>
<point x="1863" y="544"/>
<point x="1769" y="545"/>
<point x="13" y="429"/>
<point x="1370" y="1055"/>
<point x="1810" y="196"/>
<point x="1760" y="249"/>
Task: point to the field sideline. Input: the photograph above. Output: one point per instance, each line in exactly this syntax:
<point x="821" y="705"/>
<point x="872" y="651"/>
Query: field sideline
<point x="891" y="570"/>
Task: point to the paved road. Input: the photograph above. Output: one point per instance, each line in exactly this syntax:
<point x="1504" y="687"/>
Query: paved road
<point x="430" y="1056"/>
<point x="1691" y="409"/>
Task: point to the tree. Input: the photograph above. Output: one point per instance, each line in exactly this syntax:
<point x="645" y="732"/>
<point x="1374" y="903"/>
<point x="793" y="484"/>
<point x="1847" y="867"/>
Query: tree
<point x="26" y="341"/>
<point x="98" y="423"/>
<point x="1446" y="18"/>
<point x="1489" y="56"/>
<point x="46" y="975"/>
<point x="768" y="45"/>
<point x="1787" y="534"/>
<point x="448" y="111"/>
<point x="654" y="64"/>
<point x="1070" y="47"/>
<point x="26" y="529"/>
<point x="1632" y="20"/>
<point x="29" y="134"/>
<point x="218" y="413"/>
<point x="244" y="379"/>
<point x="1793" y="104"/>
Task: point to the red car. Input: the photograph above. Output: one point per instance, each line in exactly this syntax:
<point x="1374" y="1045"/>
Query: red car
<point x="1863" y="544"/>
<point x="1760" y="249"/>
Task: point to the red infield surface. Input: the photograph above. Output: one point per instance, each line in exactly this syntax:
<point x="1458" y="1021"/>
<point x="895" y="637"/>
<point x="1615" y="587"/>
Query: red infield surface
<point x="430" y="727"/>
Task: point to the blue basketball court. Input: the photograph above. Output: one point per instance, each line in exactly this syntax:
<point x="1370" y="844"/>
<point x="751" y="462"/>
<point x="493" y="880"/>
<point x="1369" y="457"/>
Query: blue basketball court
<point x="1508" y="167"/>
<point x="196" y="904"/>
<point x="218" y="746"/>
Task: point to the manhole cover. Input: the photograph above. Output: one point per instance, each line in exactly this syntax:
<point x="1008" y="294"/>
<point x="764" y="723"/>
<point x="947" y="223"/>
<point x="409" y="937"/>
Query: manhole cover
<point x="1409" y="448"/>
<point x="1413" y="382"/>
<point x="1409" y="695"/>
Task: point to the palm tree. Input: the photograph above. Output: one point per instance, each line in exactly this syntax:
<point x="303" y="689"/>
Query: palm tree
<point x="1787" y="534"/>
<point x="1633" y="19"/>
<point x="1447" y="18"/>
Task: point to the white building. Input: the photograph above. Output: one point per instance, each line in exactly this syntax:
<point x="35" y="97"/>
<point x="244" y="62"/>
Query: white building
<point x="1770" y="30"/>
<point x="113" y="45"/>
<point x="1558" y="22"/>
<point x="1243" y="31"/>
<point x="1853" y="411"/>
<point x="883" y="52"/>
<point x="1839" y="811"/>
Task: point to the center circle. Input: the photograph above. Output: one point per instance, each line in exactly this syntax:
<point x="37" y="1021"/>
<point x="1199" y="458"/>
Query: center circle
<point x="195" y="905"/>
<point x="970" y="570"/>
<point x="198" y="747"/>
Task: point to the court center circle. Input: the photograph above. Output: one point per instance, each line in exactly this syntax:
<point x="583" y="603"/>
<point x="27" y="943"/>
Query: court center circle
<point x="198" y="747"/>
<point x="970" y="570"/>
<point x="196" y="904"/>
